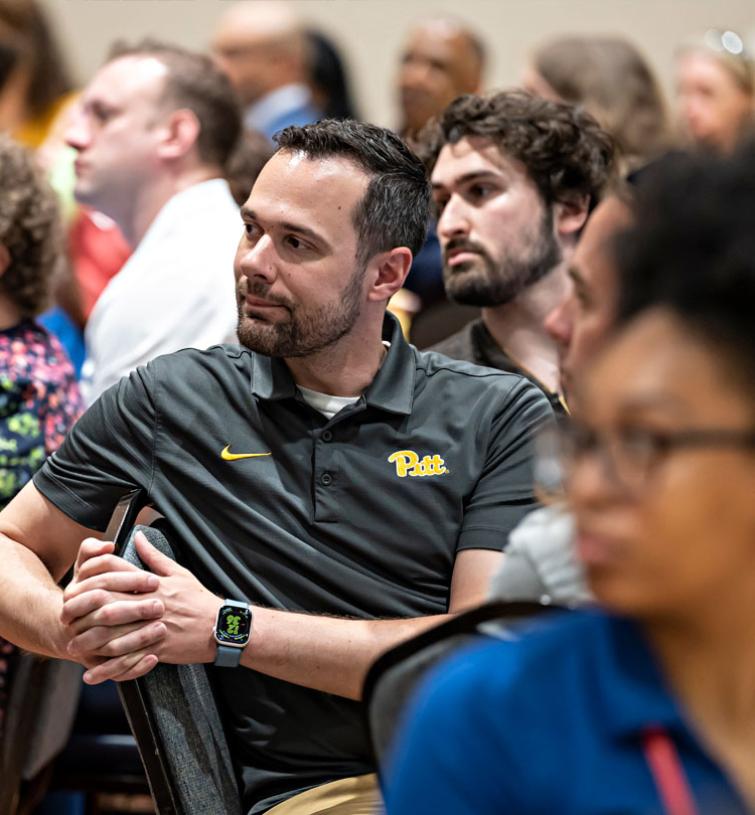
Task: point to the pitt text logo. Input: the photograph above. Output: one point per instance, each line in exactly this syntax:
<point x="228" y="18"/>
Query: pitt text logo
<point x="408" y="463"/>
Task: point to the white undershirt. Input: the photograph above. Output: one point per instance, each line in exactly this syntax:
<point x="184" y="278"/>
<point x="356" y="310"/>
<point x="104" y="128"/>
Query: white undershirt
<point x="326" y="403"/>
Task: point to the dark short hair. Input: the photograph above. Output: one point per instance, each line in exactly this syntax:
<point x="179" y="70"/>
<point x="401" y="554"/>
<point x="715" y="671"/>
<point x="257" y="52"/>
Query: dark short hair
<point x="396" y="207"/>
<point x="692" y="250"/>
<point x="563" y="148"/>
<point x="194" y="82"/>
<point x="29" y="229"/>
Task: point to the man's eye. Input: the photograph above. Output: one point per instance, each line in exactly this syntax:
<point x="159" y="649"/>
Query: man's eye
<point x="251" y="230"/>
<point x="294" y="242"/>
<point x="439" y="205"/>
<point x="479" y="190"/>
<point x="583" y="299"/>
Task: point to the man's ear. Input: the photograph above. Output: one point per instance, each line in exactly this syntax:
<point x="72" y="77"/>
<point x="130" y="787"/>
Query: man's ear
<point x="389" y="271"/>
<point x="4" y="259"/>
<point x="181" y="133"/>
<point x="570" y="215"/>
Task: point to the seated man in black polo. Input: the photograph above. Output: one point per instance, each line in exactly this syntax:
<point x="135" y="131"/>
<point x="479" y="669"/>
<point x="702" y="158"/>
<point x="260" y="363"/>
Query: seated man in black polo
<point x="350" y="488"/>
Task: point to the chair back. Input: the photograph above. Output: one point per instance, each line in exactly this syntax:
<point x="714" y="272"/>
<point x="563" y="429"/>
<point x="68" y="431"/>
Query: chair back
<point x="394" y="677"/>
<point x="173" y="713"/>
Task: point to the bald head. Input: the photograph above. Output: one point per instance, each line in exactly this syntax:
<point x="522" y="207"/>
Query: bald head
<point x="441" y="60"/>
<point x="261" y="45"/>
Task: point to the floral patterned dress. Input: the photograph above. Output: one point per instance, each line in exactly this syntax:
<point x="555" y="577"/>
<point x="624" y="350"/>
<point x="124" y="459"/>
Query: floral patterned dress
<point x="39" y="403"/>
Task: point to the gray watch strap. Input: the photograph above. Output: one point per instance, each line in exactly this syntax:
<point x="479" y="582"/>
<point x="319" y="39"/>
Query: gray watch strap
<point x="228" y="657"/>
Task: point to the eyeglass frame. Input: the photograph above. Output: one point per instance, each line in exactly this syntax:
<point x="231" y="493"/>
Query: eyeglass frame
<point x="569" y="451"/>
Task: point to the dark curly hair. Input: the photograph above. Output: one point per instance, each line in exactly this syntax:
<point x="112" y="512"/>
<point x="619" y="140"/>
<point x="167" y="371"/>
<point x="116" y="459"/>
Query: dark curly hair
<point x="563" y="148"/>
<point x="692" y="250"/>
<point x="396" y="207"/>
<point x="29" y="229"/>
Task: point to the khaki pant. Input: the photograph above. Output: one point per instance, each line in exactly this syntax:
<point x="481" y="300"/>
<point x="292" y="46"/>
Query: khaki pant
<point x="348" y="796"/>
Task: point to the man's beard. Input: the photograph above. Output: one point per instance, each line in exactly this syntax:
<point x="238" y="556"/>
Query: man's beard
<point x="306" y="329"/>
<point x="497" y="283"/>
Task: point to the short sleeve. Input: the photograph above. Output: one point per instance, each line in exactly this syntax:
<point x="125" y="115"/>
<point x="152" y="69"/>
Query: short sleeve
<point x="451" y="755"/>
<point x="505" y="493"/>
<point x="108" y="453"/>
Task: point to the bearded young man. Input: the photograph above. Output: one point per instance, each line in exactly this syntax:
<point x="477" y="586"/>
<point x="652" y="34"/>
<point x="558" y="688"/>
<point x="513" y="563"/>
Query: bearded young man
<point x="513" y="177"/>
<point x="353" y="490"/>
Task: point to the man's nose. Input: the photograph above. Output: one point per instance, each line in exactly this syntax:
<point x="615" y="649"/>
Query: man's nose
<point x="78" y="133"/>
<point x="454" y="220"/>
<point x="258" y="259"/>
<point x="559" y="324"/>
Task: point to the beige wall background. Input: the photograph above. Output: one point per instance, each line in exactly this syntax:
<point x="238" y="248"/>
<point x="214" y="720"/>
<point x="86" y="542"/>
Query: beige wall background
<point x="370" y="32"/>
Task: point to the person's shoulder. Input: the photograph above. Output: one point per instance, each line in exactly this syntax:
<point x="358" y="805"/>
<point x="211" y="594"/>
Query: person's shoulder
<point x="461" y="379"/>
<point x="457" y="346"/>
<point x="30" y="350"/>
<point x="540" y="656"/>
<point x="188" y="362"/>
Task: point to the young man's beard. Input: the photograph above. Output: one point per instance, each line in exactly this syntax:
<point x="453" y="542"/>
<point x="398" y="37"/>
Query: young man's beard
<point x="307" y="329"/>
<point x="487" y="283"/>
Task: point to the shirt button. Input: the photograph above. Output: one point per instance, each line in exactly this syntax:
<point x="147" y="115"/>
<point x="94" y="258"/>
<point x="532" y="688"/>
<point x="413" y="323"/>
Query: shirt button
<point x="327" y="435"/>
<point x="326" y="479"/>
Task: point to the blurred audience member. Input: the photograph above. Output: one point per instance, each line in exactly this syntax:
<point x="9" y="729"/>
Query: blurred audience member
<point x="248" y="158"/>
<point x="613" y="81"/>
<point x="262" y="46"/>
<point x="715" y="87"/>
<point x="442" y="59"/>
<point x="38" y="85"/>
<point x="39" y="399"/>
<point x="646" y="706"/>
<point x="154" y="131"/>
<point x="328" y="78"/>
<point x="540" y="558"/>
<point x="513" y="179"/>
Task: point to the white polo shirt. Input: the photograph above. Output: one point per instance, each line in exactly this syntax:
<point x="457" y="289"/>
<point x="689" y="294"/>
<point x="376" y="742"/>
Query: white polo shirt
<point x="176" y="291"/>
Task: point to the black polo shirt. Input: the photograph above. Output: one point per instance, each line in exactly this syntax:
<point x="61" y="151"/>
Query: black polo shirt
<point x="474" y="343"/>
<point x="358" y="516"/>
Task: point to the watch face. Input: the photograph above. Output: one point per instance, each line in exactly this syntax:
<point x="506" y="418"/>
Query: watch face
<point x="233" y="625"/>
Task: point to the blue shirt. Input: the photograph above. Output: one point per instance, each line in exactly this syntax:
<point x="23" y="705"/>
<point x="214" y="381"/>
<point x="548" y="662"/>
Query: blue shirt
<point x="551" y="723"/>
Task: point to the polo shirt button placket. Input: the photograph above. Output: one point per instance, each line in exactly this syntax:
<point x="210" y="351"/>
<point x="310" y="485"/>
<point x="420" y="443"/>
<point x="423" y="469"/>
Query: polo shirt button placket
<point x="326" y="479"/>
<point x="326" y="435"/>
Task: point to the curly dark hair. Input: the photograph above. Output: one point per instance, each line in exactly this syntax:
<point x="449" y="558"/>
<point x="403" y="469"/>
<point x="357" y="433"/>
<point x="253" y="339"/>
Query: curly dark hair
<point x="692" y="250"/>
<point x="29" y="229"/>
<point x="396" y="207"/>
<point x="563" y="148"/>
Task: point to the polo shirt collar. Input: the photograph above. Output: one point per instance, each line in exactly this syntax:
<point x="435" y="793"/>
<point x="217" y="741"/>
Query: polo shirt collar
<point x="392" y="389"/>
<point x="634" y="690"/>
<point x="271" y="378"/>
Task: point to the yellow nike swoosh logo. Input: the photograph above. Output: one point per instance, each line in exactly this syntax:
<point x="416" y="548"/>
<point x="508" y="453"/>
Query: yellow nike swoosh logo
<point x="227" y="455"/>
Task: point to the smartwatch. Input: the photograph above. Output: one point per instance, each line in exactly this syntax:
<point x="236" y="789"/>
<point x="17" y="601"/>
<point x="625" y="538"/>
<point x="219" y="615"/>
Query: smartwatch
<point x="232" y="631"/>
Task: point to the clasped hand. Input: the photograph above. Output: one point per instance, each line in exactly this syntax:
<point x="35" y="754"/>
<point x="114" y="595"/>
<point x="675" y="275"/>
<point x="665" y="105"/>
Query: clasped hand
<point x="121" y="620"/>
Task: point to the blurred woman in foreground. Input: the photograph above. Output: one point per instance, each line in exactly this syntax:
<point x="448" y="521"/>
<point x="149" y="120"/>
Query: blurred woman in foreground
<point x="647" y="706"/>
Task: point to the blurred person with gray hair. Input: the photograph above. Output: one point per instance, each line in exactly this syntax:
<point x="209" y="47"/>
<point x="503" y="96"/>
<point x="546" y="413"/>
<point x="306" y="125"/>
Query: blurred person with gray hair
<point x="263" y="48"/>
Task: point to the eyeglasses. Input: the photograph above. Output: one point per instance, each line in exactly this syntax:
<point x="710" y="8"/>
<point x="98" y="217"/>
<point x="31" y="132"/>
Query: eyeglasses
<point x="629" y="454"/>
